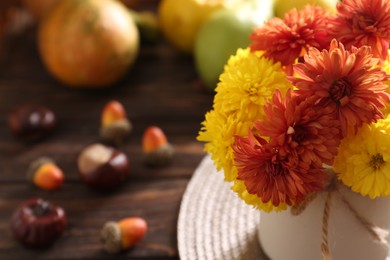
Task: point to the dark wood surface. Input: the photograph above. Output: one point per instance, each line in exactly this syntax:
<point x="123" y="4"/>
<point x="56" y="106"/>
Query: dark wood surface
<point x="161" y="89"/>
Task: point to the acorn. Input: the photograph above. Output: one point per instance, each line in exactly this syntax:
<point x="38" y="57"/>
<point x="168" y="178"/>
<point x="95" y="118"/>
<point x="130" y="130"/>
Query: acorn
<point x="37" y="223"/>
<point x="115" y="126"/>
<point x="102" y="167"/>
<point x="45" y="174"/>
<point x="157" y="150"/>
<point x="122" y="235"/>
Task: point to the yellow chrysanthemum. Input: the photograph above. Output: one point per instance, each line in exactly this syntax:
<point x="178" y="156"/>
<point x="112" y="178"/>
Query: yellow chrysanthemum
<point x="218" y="132"/>
<point x="251" y="199"/>
<point x="246" y="83"/>
<point x="386" y="67"/>
<point x="363" y="160"/>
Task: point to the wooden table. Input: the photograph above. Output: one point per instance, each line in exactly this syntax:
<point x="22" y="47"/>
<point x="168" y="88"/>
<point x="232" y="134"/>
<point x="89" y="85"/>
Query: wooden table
<point x="161" y="89"/>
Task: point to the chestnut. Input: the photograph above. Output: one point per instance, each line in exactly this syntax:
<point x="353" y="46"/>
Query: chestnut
<point x="37" y="223"/>
<point x="31" y="122"/>
<point x="102" y="167"/>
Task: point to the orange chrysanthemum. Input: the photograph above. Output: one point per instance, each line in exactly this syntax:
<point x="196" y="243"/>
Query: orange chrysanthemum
<point x="286" y="40"/>
<point x="363" y="22"/>
<point x="300" y="130"/>
<point x="348" y="82"/>
<point x="272" y="179"/>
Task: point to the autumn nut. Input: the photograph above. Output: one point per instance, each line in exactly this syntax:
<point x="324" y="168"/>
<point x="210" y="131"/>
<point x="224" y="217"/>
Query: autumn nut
<point x="45" y="174"/>
<point x="157" y="150"/>
<point x="102" y="167"/>
<point x="31" y="122"/>
<point x="115" y="126"/>
<point x="38" y="223"/>
<point x="122" y="235"/>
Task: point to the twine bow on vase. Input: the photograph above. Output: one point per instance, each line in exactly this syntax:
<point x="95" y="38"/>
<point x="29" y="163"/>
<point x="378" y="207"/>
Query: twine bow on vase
<point x="333" y="192"/>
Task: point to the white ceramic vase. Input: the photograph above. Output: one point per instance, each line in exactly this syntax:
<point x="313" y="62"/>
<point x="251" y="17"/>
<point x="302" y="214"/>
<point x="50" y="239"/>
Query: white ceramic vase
<point x="284" y="236"/>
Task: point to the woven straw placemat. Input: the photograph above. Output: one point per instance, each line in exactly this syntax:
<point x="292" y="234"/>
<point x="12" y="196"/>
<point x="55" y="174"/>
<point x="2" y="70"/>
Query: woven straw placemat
<point x="213" y="222"/>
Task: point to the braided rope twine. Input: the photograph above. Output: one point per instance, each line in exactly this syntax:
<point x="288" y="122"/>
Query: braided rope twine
<point x="213" y="222"/>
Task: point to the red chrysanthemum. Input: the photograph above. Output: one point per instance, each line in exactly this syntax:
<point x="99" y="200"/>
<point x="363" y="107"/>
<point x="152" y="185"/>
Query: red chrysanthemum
<point x="300" y="129"/>
<point x="363" y="22"/>
<point x="271" y="178"/>
<point x="286" y="40"/>
<point x="349" y="82"/>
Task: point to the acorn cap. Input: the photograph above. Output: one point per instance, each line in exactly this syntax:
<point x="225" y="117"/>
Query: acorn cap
<point x="34" y="166"/>
<point x="161" y="156"/>
<point x="117" y="131"/>
<point x="111" y="237"/>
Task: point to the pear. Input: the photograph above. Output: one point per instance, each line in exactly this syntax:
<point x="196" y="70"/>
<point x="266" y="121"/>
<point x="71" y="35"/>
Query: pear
<point x="223" y="33"/>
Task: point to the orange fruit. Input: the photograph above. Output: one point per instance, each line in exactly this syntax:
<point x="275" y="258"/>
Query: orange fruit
<point x="88" y="43"/>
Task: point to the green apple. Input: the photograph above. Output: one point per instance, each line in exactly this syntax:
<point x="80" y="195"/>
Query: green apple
<point x="283" y="6"/>
<point x="223" y="33"/>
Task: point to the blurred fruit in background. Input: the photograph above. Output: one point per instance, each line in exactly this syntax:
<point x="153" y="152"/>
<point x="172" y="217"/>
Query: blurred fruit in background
<point x="140" y="5"/>
<point x="39" y="8"/>
<point x="223" y="33"/>
<point x="283" y="6"/>
<point x="89" y="43"/>
<point x="148" y="26"/>
<point x="180" y="20"/>
<point x="146" y="20"/>
<point x="131" y="3"/>
<point x="13" y="18"/>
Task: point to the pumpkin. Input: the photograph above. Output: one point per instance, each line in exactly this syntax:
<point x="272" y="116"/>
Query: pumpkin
<point x="88" y="43"/>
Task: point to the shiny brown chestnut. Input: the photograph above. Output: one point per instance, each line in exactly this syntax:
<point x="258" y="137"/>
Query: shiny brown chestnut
<point x="37" y="223"/>
<point x="31" y="122"/>
<point x="102" y="167"/>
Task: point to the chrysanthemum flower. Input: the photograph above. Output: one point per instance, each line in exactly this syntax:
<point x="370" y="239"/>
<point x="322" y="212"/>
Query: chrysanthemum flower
<point x="247" y="82"/>
<point x="286" y="40"/>
<point x="363" y="160"/>
<point x="347" y="81"/>
<point x="363" y="22"/>
<point x="271" y="178"/>
<point x="252" y="199"/>
<point x="301" y="130"/>
<point x="218" y="132"/>
<point x="386" y="68"/>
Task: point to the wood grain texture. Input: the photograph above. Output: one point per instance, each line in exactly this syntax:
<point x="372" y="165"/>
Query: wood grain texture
<point x="161" y="89"/>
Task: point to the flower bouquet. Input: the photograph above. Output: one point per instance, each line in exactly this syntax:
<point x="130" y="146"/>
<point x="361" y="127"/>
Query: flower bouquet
<point x="300" y="122"/>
